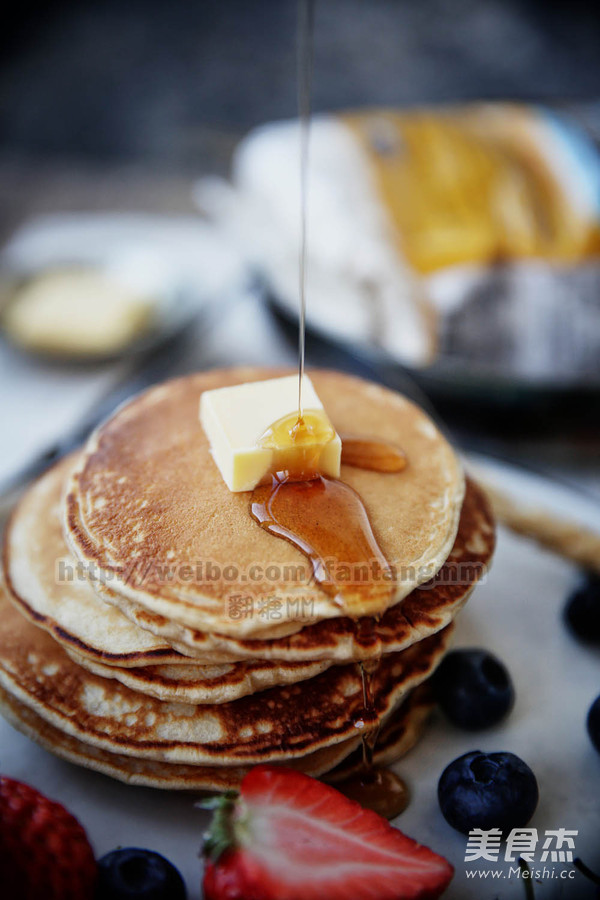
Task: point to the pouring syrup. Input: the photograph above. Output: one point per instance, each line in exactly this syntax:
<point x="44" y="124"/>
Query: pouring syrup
<point x="324" y="517"/>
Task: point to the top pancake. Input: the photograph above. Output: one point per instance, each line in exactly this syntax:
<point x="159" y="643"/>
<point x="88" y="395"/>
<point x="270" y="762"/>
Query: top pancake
<point x="147" y="505"/>
<point x="426" y="610"/>
<point x="100" y="637"/>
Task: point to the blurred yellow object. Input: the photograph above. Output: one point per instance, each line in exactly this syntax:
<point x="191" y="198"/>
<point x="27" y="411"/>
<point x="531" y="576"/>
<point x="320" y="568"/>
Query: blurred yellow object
<point x="475" y="184"/>
<point x="76" y="312"/>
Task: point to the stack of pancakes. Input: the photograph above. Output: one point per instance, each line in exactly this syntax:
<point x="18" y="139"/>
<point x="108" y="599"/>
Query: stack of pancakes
<point x="151" y="630"/>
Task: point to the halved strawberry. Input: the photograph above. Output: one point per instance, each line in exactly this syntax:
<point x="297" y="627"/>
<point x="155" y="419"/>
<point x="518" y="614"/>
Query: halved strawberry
<point x="287" y="836"/>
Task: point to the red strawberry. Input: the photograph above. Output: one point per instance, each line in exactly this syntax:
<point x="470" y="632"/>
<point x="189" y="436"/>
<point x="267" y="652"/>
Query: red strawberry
<point x="44" y="851"/>
<point x="290" y="837"/>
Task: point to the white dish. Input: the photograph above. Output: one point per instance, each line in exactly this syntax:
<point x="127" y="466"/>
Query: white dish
<point x="179" y="264"/>
<point x="516" y="613"/>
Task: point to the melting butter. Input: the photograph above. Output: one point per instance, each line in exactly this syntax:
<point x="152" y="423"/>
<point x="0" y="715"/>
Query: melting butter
<point x="255" y="432"/>
<point x="299" y="443"/>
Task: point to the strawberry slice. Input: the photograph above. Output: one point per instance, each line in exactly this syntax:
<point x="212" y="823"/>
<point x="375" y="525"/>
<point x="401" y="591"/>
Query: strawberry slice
<point x="287" y="836"/>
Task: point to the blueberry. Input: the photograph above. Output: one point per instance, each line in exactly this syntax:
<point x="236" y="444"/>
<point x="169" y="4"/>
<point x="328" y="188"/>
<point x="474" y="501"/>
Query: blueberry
<point x="473" y="689"/>
<point x="134" y="874"/>
<point x="582" y="612"/>
<point x="593" y="723"/>
<point x="487" y="790"/>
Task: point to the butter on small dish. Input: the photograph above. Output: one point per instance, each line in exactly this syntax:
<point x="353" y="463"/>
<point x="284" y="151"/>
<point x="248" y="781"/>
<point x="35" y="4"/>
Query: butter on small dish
<point x="79" y="312"/>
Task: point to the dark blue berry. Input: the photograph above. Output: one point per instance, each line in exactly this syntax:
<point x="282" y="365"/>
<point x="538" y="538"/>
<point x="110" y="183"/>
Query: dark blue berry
<point x="487" y="790"/>
<point x="135" y="874"/>
<point x="593" y="723"/>
<point x="582" y="612"/>
<point x="474" y="689"/>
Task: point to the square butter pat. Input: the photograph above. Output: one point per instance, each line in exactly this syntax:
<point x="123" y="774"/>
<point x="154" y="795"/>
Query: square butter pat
<point x="235" y="418"/>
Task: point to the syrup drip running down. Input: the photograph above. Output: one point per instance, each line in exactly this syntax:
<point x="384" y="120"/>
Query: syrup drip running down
<point x="326" y="520"/>
<point x="323" y="517"/>
<point x="369" y="721"/>
<point x="373" y="786"/>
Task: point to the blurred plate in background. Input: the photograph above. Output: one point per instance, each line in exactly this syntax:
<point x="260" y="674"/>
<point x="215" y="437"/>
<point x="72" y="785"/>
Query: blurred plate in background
<point x="94" y="287"/>
<point x="461" y="243"/>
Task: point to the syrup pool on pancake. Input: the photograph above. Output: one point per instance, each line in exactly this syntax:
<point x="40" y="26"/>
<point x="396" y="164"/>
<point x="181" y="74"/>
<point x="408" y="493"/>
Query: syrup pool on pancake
<point x="326" y="519"/>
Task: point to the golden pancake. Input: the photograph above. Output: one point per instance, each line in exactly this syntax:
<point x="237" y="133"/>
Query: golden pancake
<point x="217" y="683"/>
<point x="98" y="636"/>
<point x="275" y="725"/>
<point x="43" y="580"/>
<point x="149" y="772"/>
<point x="148" y="507"/>
<point x="396" y="738"/>
<point x="426" y="610"/>
<point x="80" y="620"/>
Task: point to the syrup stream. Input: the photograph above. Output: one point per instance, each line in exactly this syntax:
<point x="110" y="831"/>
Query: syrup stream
<point x="374" y="786"/>
<point x="306" y="18"/>
<point x="323" y="517"/>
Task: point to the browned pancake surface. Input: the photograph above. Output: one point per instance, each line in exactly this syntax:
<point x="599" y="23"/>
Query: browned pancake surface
<point x="397" y="737"/>
<point x="147" y="494"/>
<point x="44" y="582"/>
<point x="278" y="724"/>
<point x="425" y="610"/>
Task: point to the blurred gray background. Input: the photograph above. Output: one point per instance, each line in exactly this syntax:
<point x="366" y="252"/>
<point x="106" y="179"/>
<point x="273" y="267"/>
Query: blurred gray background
<point x="174" y="82"/>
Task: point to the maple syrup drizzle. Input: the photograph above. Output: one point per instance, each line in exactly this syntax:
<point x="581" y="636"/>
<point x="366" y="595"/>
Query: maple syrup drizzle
<point x="298" y="443"/>
<point x="378" y="789"/>
<point x="373" y="786"/>
<point x="372" y="453"/>
<point x="369" y="721"/>
<point x="306" y="18"/>
<point x="327" y="521"/>
<point x="323" y="517"/>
